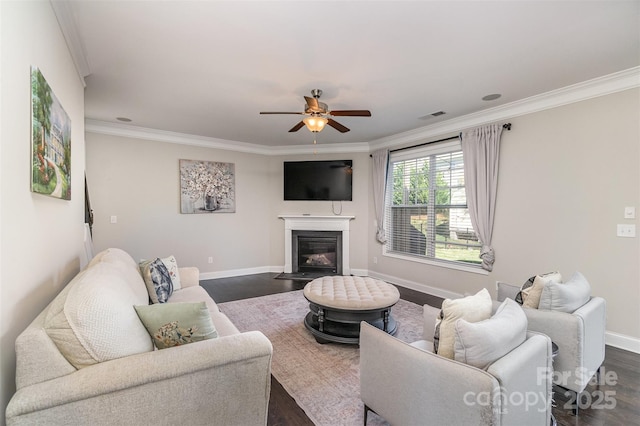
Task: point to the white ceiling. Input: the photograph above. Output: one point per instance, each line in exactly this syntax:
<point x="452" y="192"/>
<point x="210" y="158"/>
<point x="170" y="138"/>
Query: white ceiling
<point x="207" y="68"/>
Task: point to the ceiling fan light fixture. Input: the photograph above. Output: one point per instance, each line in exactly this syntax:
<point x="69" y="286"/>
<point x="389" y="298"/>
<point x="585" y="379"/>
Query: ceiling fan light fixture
<point x="315" y="124"/>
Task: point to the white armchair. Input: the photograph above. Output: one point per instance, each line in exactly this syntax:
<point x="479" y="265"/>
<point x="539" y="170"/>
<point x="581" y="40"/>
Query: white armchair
<point x="407" y="384"/>
<point x="580" y="337"/>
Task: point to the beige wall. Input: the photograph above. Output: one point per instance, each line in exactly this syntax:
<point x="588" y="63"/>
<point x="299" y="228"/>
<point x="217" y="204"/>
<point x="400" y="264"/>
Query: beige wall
<point x="566" y="175"/>
<point x="137" y="180"/>
<point x="42" y="237"/>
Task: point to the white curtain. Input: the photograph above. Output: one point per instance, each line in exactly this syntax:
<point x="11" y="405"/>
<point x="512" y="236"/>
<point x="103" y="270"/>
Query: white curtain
<point x="481" y="151"/>
<point x="380" y="165"/>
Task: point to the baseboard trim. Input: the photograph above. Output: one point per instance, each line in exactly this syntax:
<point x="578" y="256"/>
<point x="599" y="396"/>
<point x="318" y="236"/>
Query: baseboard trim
<point x="240" y="272"/>
<point x="622" y="341"/>
<point x="415" y="286"/>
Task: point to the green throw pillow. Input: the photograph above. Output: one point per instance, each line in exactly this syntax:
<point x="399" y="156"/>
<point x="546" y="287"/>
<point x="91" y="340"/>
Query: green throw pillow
<point x="175" y="324"/>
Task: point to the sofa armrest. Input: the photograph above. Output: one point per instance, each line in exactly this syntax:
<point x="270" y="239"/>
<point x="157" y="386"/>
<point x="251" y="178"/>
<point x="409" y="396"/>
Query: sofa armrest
<point x="189" y="276"/>
<point x="430" y="315"/>
<point x="406" y="385"/>
<point x="219" y="381"/>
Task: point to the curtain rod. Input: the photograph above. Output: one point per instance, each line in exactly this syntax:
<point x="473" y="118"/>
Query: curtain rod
<point x="506" y="126"/>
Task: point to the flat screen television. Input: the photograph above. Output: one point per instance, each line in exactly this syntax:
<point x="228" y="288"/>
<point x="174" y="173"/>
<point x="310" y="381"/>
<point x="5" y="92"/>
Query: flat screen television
<point x="318" y="180"/>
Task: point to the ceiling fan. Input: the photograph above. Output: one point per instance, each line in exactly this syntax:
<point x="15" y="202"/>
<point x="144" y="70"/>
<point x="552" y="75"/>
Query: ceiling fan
<point x="317" y="114"/>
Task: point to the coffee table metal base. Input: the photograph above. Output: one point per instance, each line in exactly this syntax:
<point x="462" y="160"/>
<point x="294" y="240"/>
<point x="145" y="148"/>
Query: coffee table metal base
<point x="343" y="326"/>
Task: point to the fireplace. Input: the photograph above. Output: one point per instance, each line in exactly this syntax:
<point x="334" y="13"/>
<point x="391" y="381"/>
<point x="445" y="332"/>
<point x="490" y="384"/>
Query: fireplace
<point x="316" y="251"/>
<point x="336" y="224"/>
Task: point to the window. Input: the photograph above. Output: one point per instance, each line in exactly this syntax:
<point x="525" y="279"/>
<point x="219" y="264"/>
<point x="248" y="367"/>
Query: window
<point x="426" y="206"/>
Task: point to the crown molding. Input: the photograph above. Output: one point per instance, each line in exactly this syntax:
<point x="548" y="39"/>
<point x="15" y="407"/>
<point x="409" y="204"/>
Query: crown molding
<point x="601" y="86"/>
<point x="136" y="132"/>
<point x="69" y="29"/>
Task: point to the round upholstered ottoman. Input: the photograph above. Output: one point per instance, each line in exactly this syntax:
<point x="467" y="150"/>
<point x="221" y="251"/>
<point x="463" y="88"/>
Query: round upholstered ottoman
<point x="338" y="304"/>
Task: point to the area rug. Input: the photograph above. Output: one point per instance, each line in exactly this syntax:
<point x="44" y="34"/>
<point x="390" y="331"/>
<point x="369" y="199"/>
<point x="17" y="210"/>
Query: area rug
<point x="323" y="379"/>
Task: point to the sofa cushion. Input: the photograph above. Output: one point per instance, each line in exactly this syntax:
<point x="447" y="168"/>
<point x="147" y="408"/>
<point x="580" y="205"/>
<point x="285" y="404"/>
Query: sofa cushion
<point x="566" y="297"/>
<point x="471" y="308"/>
<point x="194" y="294"/>
<point x="157" y="279"/>
<point x="482" y="343"/>
<point x="175" y="324"/>
<point x="93" y="319"/>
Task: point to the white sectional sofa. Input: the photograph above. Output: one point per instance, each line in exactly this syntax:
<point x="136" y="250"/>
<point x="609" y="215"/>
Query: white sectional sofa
<point x="88" y="359"/>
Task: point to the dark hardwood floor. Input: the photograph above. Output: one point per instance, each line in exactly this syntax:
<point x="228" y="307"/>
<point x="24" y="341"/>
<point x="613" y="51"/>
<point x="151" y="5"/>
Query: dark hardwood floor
<point x="616" y="401"/>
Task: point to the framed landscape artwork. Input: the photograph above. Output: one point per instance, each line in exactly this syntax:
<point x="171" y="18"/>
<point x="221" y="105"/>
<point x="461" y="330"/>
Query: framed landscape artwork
<point x="207" y="187"/>
<point x="50" y="141"/>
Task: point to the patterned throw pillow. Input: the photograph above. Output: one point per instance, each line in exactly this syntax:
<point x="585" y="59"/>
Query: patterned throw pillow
<point x="158" y="280"/>
<point x="172" y="266"/>
<point x="175" y="324"/>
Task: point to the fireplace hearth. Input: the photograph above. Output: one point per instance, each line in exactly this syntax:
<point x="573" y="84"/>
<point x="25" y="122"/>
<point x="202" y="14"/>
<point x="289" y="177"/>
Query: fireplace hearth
<point x="316" y="251"/>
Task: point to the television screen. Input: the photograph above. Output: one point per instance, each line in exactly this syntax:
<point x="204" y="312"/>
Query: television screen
<point x="318" y="180"/>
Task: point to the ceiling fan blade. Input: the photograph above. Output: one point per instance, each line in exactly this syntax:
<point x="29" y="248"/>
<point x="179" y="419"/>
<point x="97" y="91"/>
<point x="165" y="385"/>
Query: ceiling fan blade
<point x="351" y="112"/>
<point x="297" y="127"/>
<point x="282" y="112"/>
<point x="339" y="127"/>
<point x="313" y="103"/>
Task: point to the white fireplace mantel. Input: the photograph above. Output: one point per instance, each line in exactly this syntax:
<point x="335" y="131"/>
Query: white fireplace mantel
<point x="316" y="223"/>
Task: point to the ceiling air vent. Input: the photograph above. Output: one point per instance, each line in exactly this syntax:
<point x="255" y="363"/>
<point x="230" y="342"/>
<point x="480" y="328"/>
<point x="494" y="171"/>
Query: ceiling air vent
<point x="433" y="114"/>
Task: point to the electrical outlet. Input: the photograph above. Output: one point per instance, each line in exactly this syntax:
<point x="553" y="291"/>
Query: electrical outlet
<point x="628" y="231"/>
<point x="114" y="219"/>
<point x="210" y="260"/>
<point x="375" y="260"/>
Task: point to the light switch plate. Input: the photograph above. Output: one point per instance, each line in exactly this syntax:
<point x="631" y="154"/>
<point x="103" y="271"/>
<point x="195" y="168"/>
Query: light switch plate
<point x="629" y="212"/>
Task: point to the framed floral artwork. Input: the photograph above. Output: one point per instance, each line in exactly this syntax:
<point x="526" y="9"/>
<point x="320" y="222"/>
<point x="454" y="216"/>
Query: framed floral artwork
<point x="50" y="141"/>
<point x="207" y="187"/>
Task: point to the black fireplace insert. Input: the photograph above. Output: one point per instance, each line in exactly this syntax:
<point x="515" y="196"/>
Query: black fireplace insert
<point x="317" y="251"/>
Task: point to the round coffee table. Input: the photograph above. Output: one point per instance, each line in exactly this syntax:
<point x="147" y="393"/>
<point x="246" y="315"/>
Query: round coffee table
<point x="338" y="304"/>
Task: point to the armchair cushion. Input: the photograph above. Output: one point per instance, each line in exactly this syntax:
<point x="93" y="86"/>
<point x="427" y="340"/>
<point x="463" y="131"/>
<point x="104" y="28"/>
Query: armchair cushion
<point x="566" y="297"/>
<point x="482" y="343"/>
<point x="175" y="324"/>
<point x="471" y="308"/>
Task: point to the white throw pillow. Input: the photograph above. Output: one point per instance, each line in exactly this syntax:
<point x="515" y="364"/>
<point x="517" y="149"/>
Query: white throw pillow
<point x="127" y="268"/>
<point x="471" y="308"/>
<point x="566" y="297"/>
<point x="94" y="320"/>
<point x="482" y="343"/>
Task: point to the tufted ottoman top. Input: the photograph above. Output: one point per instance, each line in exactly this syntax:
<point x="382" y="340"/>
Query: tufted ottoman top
<point x="348" y="292"/>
